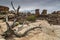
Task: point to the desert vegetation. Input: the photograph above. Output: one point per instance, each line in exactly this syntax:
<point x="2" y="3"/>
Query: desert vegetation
<point x="31" y="18"/>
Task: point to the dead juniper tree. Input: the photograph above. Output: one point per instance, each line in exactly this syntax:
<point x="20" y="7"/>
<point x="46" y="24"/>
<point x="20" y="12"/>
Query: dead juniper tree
<point x="8" y="35"/>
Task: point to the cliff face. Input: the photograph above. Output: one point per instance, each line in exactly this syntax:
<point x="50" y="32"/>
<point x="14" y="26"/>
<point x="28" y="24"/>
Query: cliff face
<point x="51" y="18"/>
<point x="4" y="8"/>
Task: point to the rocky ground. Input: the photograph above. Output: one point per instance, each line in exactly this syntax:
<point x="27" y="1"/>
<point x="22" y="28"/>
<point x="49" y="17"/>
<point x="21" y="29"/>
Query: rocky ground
<point x="47" y="31"/>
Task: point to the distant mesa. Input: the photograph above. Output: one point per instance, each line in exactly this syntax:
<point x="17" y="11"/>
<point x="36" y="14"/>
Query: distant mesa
<point x="44" y="12"/>
<point x="4" y="8"/>
<point x="37" y="13"/>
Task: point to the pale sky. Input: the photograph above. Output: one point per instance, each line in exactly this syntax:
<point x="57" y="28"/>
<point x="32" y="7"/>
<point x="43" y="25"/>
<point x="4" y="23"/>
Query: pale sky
<point x="50" y="5"/>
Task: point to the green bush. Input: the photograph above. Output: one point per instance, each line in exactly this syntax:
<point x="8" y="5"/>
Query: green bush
<point x="17" y="23"/>
<point x="31" y="18"/>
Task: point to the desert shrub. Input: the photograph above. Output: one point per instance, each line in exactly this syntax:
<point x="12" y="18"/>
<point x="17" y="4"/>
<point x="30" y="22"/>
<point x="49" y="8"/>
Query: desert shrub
<point x="31" y="18"/>
<point x="17" y="23"/>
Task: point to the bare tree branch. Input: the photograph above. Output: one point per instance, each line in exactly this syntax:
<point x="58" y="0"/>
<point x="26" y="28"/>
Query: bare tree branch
<point x="7" y="21"/>
<point x="13" y="25"/>
<point x="25" y="33"/>
<point x="12" y="5"/>
<point x="18" y="9"/>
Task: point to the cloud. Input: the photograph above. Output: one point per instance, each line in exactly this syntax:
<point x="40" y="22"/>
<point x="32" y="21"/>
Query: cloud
<point x="33" y="4"/>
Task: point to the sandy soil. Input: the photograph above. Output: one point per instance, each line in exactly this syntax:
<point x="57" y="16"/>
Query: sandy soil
<point x="48" y="32"/>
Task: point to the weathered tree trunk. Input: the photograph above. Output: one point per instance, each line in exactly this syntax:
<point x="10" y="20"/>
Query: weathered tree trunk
<point x="9" y="34"/>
